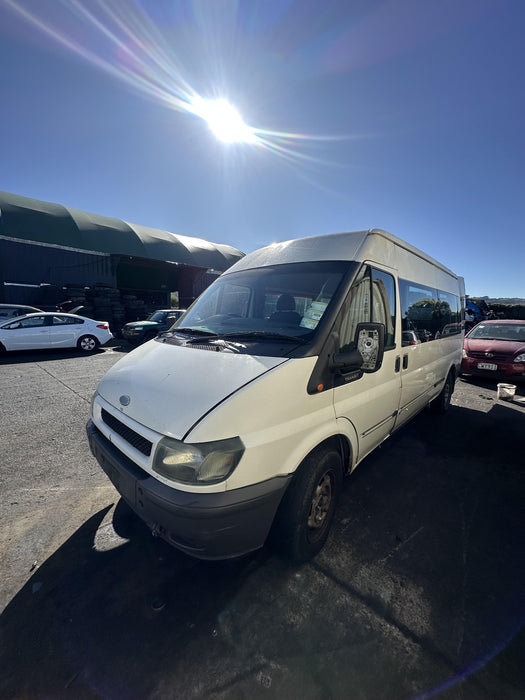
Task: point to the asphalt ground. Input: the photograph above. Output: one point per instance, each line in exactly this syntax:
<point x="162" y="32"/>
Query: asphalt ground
<point x="419" y="592"/>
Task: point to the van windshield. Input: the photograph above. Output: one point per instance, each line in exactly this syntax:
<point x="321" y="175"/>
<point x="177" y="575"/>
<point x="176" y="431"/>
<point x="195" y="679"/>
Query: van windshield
<point x="277" y="303"/>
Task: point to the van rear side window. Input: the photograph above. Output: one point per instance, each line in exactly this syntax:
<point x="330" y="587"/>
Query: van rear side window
<point x="429" y="313"/>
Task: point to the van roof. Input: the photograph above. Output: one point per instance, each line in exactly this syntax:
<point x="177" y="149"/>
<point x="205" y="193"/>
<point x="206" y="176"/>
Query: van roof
<point x="330" y="246"/>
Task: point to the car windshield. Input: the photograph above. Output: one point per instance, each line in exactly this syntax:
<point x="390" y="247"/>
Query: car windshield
<point x="281" y="302"/>
<point x="499" y="331"/>
<point x="158" y="316"/>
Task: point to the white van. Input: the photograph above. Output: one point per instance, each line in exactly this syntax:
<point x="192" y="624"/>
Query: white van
<point x="281" y="377"/>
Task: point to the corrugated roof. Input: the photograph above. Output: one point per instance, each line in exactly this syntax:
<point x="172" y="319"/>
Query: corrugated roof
<point x="46" y="222"/>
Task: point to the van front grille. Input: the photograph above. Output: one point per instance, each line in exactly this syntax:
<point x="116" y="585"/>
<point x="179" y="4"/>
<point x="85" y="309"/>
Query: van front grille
<point x="135" y="440"/>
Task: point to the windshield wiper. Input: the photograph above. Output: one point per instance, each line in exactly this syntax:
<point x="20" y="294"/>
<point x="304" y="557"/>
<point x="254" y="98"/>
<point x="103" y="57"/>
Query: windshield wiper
<point x="263" y="334"/>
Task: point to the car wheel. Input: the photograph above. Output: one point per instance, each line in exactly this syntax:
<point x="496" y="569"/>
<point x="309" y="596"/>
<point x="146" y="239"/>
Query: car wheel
<point x="307" y="510"/>
<point x="441" y="403"/>
<point x="87" y="343"/>
<point x="2" y="349"/>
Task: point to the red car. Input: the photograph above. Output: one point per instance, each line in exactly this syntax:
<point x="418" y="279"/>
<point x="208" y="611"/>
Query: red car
<point x="495" y="350"/>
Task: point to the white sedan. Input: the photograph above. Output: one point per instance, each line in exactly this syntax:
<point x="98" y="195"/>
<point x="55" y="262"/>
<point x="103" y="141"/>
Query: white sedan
<point x="53" y="330"/>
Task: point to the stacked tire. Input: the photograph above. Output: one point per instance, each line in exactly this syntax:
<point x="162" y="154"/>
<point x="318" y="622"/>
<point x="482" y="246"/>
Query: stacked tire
<point x="135" y="309"/>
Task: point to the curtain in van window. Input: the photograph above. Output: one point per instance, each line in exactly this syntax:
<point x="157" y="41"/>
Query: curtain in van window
<point x="384" y="303"/>
<point x="358" y="311"/>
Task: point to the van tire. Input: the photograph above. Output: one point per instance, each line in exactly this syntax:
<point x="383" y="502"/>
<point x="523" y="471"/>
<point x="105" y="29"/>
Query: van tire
<point x="441" y="403"/>
<point x="307" y="509"/>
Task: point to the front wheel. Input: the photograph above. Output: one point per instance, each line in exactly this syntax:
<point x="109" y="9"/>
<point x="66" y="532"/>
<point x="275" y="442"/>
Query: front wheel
<point x="87" y="343"/>
<point x="307" y="510"/>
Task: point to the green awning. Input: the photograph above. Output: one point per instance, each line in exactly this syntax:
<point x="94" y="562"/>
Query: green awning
<point x="45" y="222"/>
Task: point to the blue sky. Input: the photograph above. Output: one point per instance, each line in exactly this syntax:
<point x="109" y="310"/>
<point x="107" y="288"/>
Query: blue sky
<point x="402" y="114"/>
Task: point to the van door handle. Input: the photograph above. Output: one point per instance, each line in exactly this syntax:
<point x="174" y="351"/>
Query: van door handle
<point x="397" y="365"/>
<point x="405" y="361"/>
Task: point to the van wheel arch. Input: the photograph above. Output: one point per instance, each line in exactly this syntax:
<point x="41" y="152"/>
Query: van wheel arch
<point x="302" y="523"/>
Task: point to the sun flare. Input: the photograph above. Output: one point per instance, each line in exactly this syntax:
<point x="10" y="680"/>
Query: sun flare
<point x="145" y="63"/>
<point x="224" y="120"/>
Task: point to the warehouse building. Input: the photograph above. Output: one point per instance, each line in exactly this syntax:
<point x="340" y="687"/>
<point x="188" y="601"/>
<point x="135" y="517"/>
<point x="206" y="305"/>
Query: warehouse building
<point x="51" y="254"/>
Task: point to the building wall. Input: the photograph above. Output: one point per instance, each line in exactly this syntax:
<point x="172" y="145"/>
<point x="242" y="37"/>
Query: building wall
<point x="29" y="270"/>
<point x="116" y="288"/>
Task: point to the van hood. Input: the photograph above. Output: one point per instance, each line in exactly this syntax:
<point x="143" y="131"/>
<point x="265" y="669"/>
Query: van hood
<point x="171" y="387"/>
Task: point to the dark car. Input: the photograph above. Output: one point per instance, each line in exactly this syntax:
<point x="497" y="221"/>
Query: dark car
<point x="139" y="331"/>
<point x="14" y="310"/>
<point x="495" y="350"/>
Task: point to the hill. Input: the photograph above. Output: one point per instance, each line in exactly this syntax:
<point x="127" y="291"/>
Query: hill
<point x="506" y="301"/>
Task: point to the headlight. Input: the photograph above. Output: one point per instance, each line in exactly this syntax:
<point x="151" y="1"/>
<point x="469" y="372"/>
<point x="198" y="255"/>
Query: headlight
<point x="520" y="358"/>
<point x="465" y="353"/>
<point x="201" y="463"/>
<point x="138" y="328"/>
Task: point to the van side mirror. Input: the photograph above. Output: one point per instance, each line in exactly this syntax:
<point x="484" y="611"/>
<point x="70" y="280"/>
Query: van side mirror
<point x="367" y="356"/>
<point x="370" y="342"/>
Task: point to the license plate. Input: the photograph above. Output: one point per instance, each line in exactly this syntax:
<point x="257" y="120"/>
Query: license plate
<point x="487" y="365"/>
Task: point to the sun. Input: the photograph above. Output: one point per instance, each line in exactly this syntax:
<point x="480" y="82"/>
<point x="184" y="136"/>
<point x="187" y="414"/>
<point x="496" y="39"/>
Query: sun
<point x="224" y="120"/>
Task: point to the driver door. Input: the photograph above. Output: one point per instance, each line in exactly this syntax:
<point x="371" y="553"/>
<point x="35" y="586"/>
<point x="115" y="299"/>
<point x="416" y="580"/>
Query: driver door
<point x="370" y="402"/>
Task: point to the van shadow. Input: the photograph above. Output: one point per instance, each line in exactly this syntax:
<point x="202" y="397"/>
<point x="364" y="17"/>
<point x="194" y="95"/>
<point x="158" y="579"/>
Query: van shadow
<point x="434" y="520"/>
<point x="93" y="623"/>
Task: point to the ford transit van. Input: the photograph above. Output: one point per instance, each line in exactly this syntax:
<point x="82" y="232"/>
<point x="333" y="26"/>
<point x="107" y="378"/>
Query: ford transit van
<point x="244" y="417"/>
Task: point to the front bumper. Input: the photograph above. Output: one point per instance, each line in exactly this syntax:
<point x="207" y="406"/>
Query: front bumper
<point x="505" y="370"/>
<point x="133" y="335"/>
<point x="206" y="525"/>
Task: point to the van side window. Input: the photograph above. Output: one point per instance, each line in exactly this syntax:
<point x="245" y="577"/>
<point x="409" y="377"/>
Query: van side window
<point x="419" y="310"/>
<point x="371" y="299"/>
<point x="449" y="314"/>
<point x="428" y="313"/>
<point x="384" y="304"/>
